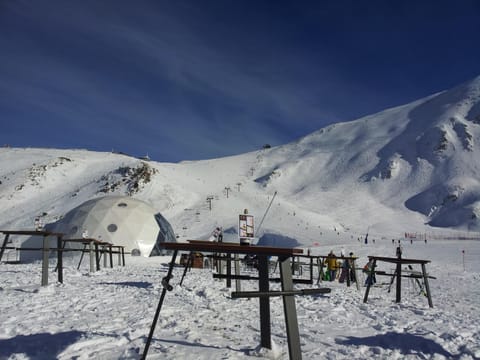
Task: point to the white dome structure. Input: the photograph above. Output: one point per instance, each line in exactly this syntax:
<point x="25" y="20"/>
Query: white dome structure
<point x="119" y="220"/>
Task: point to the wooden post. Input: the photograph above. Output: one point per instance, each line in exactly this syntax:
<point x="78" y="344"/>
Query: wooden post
<point x="119" y="256"/>
<point x="229" y="270"/>
<point x="348" y="271"/>
<point x="92" y="256"/>
<point x="81" y="256"/>
<point x="188" y="265"/>
<point x="97" y="256"/>
<point x="46" y="251"/>
<point x="289" y="310"/>
<point x="427" y="287"/>
<point x="399" y="276"/>
<point x="5" y="241"/>
<point x="263" y="285"/>
<point x="219" y="264"/>
<point x="110" y="255"/>
<point x="238" y="287"/>
<point x="60" y="259"/>
<point x="311" y="270"/>
<point x="104" y="254"/>
<point x="398" y="295"/>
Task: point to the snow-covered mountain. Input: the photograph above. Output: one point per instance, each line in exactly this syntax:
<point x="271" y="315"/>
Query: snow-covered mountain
<point x="406" y="169"/>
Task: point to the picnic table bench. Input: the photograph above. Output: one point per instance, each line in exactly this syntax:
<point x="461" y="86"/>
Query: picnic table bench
<point x="97" y="248"/>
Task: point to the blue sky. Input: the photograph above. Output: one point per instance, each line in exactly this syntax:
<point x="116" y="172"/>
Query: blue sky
<point x="188" y="80"/>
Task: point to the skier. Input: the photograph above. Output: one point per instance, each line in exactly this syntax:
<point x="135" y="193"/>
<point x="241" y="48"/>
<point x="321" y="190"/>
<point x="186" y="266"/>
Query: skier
<point x="345" y="271"/>
<point x="368" y="269"/>
<point x="331" y="265"/>
<point x="352" y="268"/>
<point x="217" y="235"/>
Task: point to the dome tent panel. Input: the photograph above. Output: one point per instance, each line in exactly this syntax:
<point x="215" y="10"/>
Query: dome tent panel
<point x="118" y="220"/>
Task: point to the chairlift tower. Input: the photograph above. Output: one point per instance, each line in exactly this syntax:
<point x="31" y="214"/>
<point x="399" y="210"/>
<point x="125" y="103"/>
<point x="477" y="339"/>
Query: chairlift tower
<point x="209" y="200"/>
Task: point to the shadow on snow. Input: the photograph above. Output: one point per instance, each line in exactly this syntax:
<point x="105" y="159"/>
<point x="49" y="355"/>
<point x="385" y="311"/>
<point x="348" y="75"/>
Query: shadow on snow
<point x="39" y="346"/>
<point x="245" y="351"/>
<point x="139" y="284"/>
<point x="407" y="344"/>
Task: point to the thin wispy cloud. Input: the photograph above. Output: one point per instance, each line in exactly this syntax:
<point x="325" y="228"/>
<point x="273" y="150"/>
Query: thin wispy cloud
<point x="183" y="80"/>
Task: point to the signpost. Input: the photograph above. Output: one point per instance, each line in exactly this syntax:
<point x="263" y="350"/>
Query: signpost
<point x="246" y="230"/>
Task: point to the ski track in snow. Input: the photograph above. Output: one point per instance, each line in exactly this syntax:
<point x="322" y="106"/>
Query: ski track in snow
<point x="107" y="314"/>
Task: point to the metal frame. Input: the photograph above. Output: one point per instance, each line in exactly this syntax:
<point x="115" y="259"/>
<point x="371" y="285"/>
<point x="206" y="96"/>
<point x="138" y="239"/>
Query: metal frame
<point x="288" y="293"/>
<point x="399" y="261"/>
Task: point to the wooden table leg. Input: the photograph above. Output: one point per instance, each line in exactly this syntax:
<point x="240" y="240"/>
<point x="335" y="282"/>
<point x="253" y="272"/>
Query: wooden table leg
<point x="97" y="257"/>
<point x="229" y="270"/>
<point x="290" y="310"/>
<point x="187" y="266"/>
<point x="93" y="256"/>
<point x="398" y="292"/>
<point x="427" y="287"/>
<point x="238" y="286"/>
<point x="111" y="255"/>
<point x="81" y="256"/>
<point x="46" y="252"/>
<point x="60" y="247"/>
<point x="263" y="285"/>
<point x="5" y="241"/>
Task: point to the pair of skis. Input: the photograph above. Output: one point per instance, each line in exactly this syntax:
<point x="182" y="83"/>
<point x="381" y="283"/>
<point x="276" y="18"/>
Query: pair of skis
<point x="417" y="281"/>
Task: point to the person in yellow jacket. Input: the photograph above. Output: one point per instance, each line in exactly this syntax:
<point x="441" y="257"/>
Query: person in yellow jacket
<point x="331" y="261"/>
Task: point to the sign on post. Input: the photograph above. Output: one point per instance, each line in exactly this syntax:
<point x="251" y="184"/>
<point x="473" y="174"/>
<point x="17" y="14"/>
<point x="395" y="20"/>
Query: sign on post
<point x="246" y="230"/>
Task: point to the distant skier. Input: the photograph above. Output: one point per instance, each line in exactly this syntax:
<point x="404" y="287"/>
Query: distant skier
<point x="217" y="235"/>
<point x="37" y="224"/>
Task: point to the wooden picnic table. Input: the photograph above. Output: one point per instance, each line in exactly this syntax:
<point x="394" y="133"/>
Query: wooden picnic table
<point x="399" y="261"/>
<point x="264" y="293"/>
<point x="45" y="249"/>
<point x="94" y="250"/>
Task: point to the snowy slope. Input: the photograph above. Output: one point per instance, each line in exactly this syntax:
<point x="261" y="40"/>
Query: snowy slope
<point x="390" y="172"/>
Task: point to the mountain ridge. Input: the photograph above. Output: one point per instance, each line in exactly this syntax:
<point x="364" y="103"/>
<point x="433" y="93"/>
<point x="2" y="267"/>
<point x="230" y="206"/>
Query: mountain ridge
<point x="412" y="167"/>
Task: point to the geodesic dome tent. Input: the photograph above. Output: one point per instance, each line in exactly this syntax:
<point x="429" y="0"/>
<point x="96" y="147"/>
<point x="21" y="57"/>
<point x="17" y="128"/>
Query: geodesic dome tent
<point x="118" y="220"/>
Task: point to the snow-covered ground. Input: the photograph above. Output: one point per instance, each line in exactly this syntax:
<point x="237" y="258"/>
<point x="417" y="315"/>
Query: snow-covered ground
<point x="411" y="169"/>
<point x="107" y="314"/>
